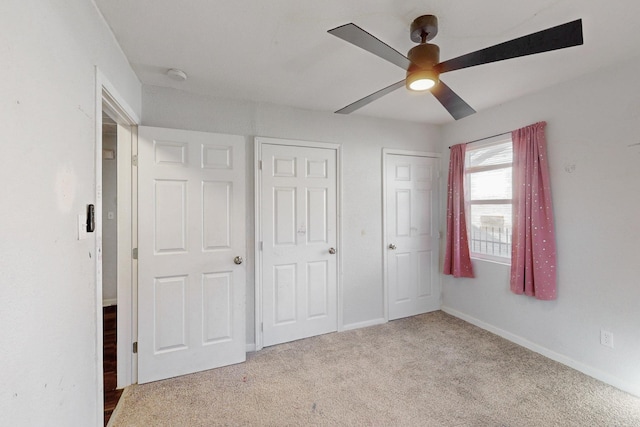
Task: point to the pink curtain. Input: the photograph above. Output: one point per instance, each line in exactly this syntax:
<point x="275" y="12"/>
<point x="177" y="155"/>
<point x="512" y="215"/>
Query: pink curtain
<point x="533" y="253"/>
<point x="457" y="261"/>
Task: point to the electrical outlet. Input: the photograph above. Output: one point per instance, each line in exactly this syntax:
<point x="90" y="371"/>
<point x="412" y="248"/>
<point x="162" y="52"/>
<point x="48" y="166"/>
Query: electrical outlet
<point x="606" y="338"/>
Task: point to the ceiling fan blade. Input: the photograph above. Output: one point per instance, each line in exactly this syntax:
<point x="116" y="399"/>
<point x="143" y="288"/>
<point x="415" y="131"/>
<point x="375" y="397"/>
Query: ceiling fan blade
<point x="370" y="98"/>
<point x="560" y="37"/>
<point x="359" y="37"/>
<point x="451" y="101"/>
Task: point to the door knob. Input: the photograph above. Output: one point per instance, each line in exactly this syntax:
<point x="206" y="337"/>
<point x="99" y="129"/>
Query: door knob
<point x="238" y="260"/>
<point x="332" y="251"/>
<point x="392" y="246"/>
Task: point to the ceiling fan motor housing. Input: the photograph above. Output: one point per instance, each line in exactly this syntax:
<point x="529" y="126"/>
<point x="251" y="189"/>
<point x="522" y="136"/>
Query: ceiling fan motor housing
<point x="423" y="58"/>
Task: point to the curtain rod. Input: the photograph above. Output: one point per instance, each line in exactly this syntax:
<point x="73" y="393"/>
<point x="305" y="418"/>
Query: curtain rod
<point x="486" y="137"/>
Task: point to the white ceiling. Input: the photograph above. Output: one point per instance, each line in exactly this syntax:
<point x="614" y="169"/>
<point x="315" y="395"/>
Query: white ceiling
<point x="279" y="51"/>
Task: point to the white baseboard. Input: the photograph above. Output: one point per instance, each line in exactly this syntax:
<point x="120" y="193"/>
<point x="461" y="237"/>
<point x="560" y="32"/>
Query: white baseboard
<point x="365" y="324"/>
<point x="578" y="366"/>
<point x="251" y="348"/>
<point x="109" y="302"/>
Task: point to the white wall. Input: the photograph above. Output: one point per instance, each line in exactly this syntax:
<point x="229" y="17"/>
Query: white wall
<point x="362" y="141"/>
<point x="593" y="124"/>
<point x="48" y="354"/>
<point x="109" y="226"/>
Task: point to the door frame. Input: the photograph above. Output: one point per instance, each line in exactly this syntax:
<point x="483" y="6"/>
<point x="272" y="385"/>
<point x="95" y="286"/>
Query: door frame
<point x="108" y="99"/>
<point x="410" y="153"/>
<point x="258" y="142"/>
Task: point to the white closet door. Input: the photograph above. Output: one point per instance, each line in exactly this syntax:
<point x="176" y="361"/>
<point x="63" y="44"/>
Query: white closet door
<point x="299" y="235"/>
<point x="412" y="235"/>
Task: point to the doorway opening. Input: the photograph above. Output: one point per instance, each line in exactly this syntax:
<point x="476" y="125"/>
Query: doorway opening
<point x="109" y="264"/>
<point x="116" y="326"/>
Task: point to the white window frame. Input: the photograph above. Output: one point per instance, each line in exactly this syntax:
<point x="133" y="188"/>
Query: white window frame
<point x="467" y="197"/>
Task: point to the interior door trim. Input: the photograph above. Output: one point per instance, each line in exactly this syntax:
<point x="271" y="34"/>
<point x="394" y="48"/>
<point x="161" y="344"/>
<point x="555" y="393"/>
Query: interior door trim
<point x="385" y="243"/>
<point x="258" y="142"/>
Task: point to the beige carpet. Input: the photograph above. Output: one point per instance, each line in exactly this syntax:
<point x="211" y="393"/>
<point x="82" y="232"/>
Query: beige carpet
<point x="429" y="370"/>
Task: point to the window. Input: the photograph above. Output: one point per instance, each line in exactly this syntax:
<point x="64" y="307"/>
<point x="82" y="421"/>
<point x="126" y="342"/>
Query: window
<point x="488" y="198"/>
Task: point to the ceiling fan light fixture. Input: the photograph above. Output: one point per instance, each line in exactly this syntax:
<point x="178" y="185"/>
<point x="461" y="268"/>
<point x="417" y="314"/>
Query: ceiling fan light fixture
<point x="420" y="75"/>
<point x="421" y="80"/>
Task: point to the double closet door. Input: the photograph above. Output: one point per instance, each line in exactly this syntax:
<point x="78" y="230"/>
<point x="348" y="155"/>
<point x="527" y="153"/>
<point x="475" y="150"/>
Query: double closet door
<point x="298" y="223"/>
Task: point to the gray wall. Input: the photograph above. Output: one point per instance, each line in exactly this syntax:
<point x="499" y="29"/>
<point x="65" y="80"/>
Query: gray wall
<point x="593" y="133"/>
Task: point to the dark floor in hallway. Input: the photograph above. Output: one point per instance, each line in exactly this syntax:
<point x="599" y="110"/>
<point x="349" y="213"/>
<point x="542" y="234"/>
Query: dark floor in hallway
<point x="111" y="395"/>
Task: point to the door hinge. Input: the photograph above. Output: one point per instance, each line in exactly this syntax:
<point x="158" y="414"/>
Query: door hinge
<point x="134" y="160"/>
<point x="260" y="164"/>
<point x="135" y="347"/>
<point x="261" y="326"/>
<point x="134" y="253"/>
<point x="261" y="246"/>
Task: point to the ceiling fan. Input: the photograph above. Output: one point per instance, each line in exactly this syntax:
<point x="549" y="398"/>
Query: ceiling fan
<point x="423" y="65"/>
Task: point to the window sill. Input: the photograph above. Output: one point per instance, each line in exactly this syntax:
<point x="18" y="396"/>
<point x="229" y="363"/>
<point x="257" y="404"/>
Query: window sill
<point x="492" y="261"/>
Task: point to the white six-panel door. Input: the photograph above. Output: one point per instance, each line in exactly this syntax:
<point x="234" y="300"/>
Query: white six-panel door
<point x="299" y="242"/>
<point x="411" y="235"/>
<point x="191" y="293"/>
